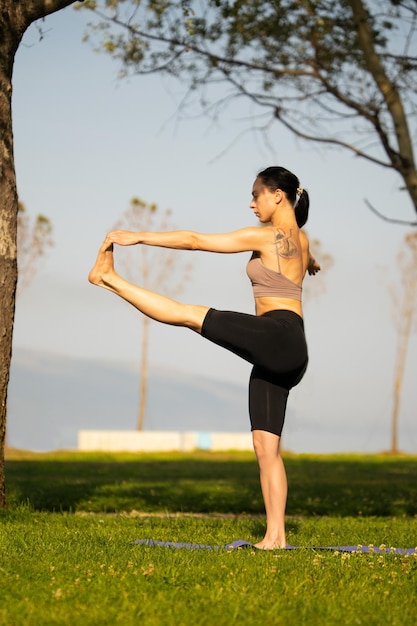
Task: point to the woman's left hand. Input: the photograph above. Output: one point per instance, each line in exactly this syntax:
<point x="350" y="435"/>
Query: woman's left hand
<point x="123" y="237"/>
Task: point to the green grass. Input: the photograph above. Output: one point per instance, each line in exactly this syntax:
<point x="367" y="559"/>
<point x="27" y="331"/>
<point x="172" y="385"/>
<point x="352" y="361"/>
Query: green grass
<point x="67" y="557"/>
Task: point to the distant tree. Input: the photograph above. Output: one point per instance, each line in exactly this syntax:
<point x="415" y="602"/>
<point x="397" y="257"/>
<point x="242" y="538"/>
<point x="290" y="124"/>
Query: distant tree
<point x="342" y="73"/>
<point x="34" y="237"/>
<point x="313" y="289"/>
<point x="157" y="269"/>
<point x="15" y="17"/>
<point x="405" y="317"/>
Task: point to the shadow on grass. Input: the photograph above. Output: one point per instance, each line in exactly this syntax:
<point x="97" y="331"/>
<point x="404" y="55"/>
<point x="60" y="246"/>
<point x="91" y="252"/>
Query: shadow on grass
<point x="205" y="483"/>
<point x="151" y="485"/>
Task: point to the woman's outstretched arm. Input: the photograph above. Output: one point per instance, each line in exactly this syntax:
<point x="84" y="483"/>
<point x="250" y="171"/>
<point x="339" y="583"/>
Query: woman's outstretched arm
<point x="243" y="240"/>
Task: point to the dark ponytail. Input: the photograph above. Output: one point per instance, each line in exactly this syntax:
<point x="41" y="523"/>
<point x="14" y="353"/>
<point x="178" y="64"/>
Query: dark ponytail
<point x="279" y="178"/>
<point x="301" y="208"/>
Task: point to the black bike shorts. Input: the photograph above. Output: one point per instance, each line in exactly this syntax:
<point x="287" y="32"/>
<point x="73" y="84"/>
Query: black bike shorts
<point x="276" y="346"/>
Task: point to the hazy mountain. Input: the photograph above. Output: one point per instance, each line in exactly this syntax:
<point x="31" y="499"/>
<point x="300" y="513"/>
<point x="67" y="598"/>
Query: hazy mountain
<point x="52" y="397"/>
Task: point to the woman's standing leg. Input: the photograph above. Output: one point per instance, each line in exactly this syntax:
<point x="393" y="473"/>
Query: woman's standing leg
<point x="155" y="306"/>
<point x="274" y="488"/>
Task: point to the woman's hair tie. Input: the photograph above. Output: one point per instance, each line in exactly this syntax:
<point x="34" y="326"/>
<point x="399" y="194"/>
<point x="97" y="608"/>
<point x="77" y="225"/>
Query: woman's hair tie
<point x="298" y="195"/>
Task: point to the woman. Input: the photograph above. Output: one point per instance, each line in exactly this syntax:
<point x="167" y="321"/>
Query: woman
<point x="272" y="340"/>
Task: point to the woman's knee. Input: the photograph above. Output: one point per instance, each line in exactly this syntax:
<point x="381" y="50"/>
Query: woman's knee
<point x="194" y="316"/>
<point x="266" y="445"/>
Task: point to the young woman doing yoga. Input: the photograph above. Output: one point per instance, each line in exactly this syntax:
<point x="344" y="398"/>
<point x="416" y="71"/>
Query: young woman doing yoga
<point x="272" y="340"/>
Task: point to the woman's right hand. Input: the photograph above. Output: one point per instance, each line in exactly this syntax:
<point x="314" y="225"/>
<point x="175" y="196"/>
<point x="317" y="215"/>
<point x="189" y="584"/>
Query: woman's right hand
<point x="123" y="237"/>
<point x="313" y="267"/>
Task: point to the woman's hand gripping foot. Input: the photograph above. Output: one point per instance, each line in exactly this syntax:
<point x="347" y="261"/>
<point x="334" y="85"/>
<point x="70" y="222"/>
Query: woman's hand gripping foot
<point x="103" y="269"/>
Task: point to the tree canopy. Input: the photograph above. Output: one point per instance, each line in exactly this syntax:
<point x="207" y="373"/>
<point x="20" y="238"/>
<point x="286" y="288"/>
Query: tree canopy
<point x="338" y="72"/>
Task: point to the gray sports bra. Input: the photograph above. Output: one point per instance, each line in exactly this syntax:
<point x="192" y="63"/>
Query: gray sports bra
<point x="267" y="282"/>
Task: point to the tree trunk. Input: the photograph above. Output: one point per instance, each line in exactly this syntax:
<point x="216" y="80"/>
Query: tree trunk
<point x="143" y="374"/>
<point x="399" y="374"/>
<point x="404" y="338"/>
<point x="402" y="155"/>
<point x="145" y="335"/>
<point x="15" y="17"/>
<point x="10" y="36"/>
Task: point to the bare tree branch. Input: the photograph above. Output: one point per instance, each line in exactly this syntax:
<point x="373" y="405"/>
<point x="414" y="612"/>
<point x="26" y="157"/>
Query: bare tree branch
<point x="388" y="219"/>
<point x="352" y="61"/>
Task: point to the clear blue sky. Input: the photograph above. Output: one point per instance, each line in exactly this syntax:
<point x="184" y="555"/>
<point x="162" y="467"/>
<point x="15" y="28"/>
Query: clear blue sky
<point x="85" y="143"/>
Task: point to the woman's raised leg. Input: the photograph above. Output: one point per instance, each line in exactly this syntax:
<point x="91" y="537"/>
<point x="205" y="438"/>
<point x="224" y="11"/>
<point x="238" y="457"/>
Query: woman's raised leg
<point x="154" y="305"/>
<point x="274" y="488"/>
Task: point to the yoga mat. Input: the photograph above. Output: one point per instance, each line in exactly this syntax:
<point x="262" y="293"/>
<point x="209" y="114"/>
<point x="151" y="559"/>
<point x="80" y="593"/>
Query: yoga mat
<point x="240" y="543"/>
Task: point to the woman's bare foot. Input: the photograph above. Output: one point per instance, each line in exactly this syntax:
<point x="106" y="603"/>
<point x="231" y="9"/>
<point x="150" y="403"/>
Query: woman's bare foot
<point x="103" y="269"/>
<point x="269" y="545"/>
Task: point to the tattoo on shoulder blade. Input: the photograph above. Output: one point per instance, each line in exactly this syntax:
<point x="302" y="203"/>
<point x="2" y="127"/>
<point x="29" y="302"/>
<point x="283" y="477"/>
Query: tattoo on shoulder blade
<point x="285" y="244"/>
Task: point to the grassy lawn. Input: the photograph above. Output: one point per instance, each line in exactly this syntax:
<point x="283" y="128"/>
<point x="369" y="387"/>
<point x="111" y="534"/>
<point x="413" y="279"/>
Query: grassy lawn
<point x="67" y="557"/>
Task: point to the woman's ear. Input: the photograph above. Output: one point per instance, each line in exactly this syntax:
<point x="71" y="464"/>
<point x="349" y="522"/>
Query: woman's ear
<point x="278" y="196"/>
